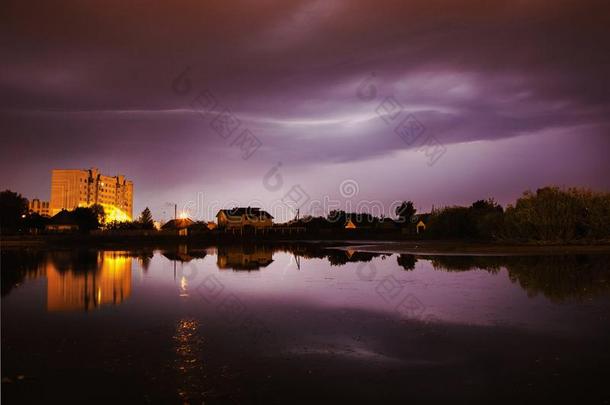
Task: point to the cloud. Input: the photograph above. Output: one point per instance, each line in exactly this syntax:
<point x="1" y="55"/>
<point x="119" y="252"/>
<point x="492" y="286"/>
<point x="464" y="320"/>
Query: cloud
<point x="85" y="81"/>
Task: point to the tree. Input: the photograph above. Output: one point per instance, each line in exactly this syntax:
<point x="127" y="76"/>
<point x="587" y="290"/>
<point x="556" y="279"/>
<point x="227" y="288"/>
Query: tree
<point x="407" y="262"/>
<point x="87" y="218"/>
<point x="337" y="218"/>
<point x="146" y="219"/>
<point x="555" y="214"/>
<point x="12" y="207"/>
<point x="405" y="211"/>
<point x="98" y="210"/>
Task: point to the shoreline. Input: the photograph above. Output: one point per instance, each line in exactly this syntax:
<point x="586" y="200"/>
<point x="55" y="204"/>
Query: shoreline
<point x="461" y="248"/>
<point x="388" y="246"/>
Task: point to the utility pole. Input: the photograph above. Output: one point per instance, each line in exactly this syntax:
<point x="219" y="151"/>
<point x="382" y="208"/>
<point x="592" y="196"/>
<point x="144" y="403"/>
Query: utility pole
<point x="175" y="211"/>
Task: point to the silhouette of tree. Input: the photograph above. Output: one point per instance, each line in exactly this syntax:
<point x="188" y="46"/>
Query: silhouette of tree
<point x="87" y="218"/>
<point x="99" y="212"/>
<point x="12" y="207"/>
<point x="146" y="219"/>
<point x="407" y="262"/>
<point x="405" y="211"/>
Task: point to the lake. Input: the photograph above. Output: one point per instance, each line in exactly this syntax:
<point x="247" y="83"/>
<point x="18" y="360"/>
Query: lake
<point x="300" y="323"/>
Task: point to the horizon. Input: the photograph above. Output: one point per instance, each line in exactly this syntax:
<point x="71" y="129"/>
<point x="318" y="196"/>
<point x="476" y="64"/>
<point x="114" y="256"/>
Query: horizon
<point x="439" y="105"/>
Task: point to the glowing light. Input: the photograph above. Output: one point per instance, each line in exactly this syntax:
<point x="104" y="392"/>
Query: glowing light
<point x="113" y="213"/>
<point x="183" y="287"/>
<point x="183" y="215"/>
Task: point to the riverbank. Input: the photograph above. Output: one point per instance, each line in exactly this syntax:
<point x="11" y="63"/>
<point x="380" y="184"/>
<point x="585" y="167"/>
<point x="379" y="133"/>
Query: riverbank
<point x="465" y="248"/>
<point x="389" y="246"/>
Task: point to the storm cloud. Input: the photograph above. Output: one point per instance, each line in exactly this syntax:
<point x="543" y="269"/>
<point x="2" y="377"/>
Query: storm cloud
<point x="516" y="92"/>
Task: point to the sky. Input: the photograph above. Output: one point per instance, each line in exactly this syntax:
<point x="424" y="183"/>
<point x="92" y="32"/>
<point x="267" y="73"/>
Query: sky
<point x="307" y="104"/>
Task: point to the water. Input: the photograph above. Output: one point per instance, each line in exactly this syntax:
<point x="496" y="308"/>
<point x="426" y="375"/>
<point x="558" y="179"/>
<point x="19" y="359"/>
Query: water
<point x="300" y="323"/>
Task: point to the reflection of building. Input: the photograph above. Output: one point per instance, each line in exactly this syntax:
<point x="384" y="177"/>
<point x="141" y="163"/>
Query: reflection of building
<point x="243" y="258"/>
<point x="241" y="218"/>
<point x="80" y="289"/>
<point x="83" y="188"/>
<point x="39" y="207"/>
<point x="184" y="254"/>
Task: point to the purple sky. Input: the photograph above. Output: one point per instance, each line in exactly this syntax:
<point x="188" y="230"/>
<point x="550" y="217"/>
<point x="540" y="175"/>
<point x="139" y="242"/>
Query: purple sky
<point x="516" y="92"/>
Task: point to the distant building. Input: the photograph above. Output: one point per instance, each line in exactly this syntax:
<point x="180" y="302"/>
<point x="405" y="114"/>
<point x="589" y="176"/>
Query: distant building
<point x="82" y="188"/>
<point x="421" y="221"/>
<point x="180" y="225"/>
<point x="420" y="227"/>
<point x="39" y="207"/>
<point x="62" y="222"/>
<point x="244" y="218"/>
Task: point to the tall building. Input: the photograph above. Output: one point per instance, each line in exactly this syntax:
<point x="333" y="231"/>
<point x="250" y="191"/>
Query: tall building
<point x="82" y="188"/>
<point x="39" y="207"/>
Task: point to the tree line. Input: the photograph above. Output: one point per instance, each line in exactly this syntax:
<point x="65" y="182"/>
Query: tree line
<point x="550" y="214"/>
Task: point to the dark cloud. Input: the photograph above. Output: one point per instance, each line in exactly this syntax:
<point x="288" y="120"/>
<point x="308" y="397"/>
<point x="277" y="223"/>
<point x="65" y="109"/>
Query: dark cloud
<point x="86" y="83"/>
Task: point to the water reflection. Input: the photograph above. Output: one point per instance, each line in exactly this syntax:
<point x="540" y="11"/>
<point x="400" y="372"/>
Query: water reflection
<point x="244" y="257"/>
<point x="184" y="253"/>
<point x="87" y="281"/>
<point x="76" y="280"/>
<point x="557" y="277"/>
<point x="188" y="364"/>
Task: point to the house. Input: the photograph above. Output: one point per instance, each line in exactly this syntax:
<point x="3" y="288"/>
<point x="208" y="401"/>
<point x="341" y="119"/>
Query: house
<point x="63" y="221"/>
<point x="248" y="218"/>
<point x="420" y="227"/>
<point x="350" y="224"/>
<point x="420" y="223"/>
<point x="179" y="225"/>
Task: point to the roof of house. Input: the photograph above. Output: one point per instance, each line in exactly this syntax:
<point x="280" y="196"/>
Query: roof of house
<point x="250" y="212"/>
<point x="63" y="217"/>
<point x="179" y="223"/>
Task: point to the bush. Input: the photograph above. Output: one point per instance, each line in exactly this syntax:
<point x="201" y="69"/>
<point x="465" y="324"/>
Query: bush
<point x="554" y="214"/>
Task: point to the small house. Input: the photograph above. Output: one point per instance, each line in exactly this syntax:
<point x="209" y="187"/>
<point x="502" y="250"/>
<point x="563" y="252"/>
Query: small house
<point x="179" y="225"/>
<point x="63" y="221"/>
<point x="350" y="224"/>
<point x="420" y="227"/>
<point x="244" y="219"/>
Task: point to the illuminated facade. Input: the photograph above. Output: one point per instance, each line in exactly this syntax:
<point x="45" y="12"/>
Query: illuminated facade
<point x="82" y="188"/>
<point x="39" y="207"/>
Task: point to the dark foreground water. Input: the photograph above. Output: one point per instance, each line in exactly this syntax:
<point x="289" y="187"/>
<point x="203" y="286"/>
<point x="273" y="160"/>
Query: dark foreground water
<point x="255" y="324"/>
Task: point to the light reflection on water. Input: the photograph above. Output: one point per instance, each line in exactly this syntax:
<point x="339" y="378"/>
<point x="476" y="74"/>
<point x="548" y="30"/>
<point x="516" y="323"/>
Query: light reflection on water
<point x="70" y="289"/>
<point x="201" y="315"/>
<point x="479" y="290"/>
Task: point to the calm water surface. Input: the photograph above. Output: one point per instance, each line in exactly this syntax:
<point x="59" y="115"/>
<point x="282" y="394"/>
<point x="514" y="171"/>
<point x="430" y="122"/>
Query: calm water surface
<point x="250" y="324"/>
